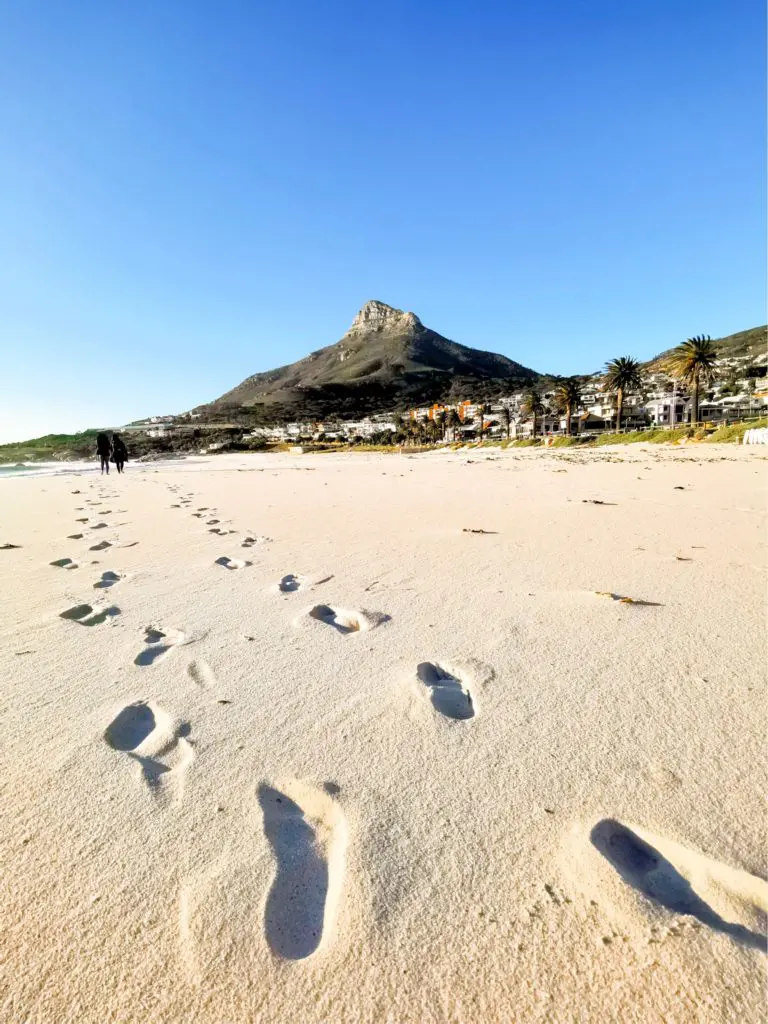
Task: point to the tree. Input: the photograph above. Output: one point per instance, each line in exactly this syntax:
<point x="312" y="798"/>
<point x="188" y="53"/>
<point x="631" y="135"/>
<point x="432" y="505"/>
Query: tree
<point x="481" y="411"/>
<point x="622" y="375"/>
<point x="693" y="363"/>
<point x="418" y="431"/>
<point x="532" y="406"/>
<point x="453" y="420"/>
<point x="440" y="423"/>
<point x="567" y="397"/>
<point x="506" y="419"/>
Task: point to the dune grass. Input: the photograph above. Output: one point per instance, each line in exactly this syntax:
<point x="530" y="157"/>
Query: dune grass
<point x="734" y="434"/>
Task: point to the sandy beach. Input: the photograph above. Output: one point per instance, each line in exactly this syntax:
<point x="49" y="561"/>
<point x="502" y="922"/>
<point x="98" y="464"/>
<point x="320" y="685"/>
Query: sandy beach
<point x="377" y="738"/>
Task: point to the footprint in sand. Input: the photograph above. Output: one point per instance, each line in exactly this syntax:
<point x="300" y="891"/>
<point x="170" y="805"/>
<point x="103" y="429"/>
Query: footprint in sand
<point x="161" y="748"/>
<point x="307" y="831"/>
<point x="88" y="615"/>
<point x="250" y="541"/>
<point x="212" y="522"/>
<point x="290" y="584"/>
<point x="159" y="643"/>
<point x="64" y="563"/>
<point x="670" y="879"/>
<point x="345" y="620"/>
<point x="108" y="579"/>
<point x="232" y="563"/>
<point x="449" y="690"/>
<point x="75" y="536"/>
<point x="201" y="674"/>
<point x="101" y="546"/>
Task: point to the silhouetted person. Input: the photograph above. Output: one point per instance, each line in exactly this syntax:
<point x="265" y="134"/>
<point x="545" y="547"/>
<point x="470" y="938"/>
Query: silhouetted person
<point x="103" y="450"/>
<point x="119" y="452"/>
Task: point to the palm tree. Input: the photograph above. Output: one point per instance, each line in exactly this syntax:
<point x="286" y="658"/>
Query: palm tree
<point x="567" y="397"/>
<point x="481" y="411"/>
<point x="693" y="363"/>
<point x="532" y="406"/>
<point x="506" y="419"/>
<point x="417" y="431"/>
<point x="622" y="375"/>
<point x="440" y="421"/>
<point x="453" y="420"/>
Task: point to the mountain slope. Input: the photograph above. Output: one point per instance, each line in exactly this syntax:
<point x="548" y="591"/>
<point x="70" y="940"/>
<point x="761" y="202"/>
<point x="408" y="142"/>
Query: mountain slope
<point x="386" y="358"/>
<point x="744" y="345"/>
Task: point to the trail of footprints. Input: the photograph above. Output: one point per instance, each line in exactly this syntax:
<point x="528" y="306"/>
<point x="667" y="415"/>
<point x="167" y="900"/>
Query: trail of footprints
<point x="305" y="826"/>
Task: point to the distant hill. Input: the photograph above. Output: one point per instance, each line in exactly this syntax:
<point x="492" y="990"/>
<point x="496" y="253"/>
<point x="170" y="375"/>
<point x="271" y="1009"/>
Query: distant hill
<point x="747" y="346"/>
<point x="387" y="359"/>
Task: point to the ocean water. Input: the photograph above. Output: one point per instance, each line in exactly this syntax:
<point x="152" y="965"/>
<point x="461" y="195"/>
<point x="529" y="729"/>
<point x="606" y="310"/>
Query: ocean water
<point x="48" y="469"/>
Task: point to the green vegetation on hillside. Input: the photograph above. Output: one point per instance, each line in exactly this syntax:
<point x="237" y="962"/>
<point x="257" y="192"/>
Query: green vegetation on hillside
<point x="742" y="345"/>
<point x="50" y="447"/>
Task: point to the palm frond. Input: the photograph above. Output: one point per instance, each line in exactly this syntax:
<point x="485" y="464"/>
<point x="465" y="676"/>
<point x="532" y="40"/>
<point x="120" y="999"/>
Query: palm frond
<point x="694" y="359"/>
<point x="623" y="373"/>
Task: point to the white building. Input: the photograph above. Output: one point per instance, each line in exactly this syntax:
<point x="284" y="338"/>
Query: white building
<point x="663" y="412"/>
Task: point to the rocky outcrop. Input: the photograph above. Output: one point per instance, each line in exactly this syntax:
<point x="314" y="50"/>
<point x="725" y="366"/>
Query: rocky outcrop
<point x="378" y="316"/>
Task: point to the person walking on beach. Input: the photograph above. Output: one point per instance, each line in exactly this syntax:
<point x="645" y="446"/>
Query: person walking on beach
<point x="119" y="452"/>
<point x="103" y="450"/>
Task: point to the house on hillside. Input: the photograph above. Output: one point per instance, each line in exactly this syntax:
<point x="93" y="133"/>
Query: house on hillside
<point x="666" y="412"/>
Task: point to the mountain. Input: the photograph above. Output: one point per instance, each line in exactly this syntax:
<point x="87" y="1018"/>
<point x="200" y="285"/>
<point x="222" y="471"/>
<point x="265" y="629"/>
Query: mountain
<point x="387" y="359"/>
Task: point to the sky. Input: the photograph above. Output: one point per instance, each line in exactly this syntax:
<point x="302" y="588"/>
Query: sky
<point x="193" y="192"/>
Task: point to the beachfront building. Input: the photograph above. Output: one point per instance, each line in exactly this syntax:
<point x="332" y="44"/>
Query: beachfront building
<point x="668" y="411"/>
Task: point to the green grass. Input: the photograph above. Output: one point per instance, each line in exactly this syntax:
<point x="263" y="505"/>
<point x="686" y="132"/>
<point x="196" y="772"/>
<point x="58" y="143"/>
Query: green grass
<point x="527" y="442"/>
<point x="565" y="442"/>
<point x="734" y="433"/>
<point x="646" y="436"/>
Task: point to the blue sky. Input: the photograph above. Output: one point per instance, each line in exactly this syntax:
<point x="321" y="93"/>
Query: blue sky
<point x="192" y="192"/>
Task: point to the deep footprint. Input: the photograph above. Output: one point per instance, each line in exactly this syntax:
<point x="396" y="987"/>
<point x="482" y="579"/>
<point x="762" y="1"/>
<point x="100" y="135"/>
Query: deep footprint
<point x="131" y="727"/>
<point x="308" y="839"/>
<point x="146" y="733"/>
<point x="108" y="579"/>
<point x="345" y="620"/>
<point x="644" y="868"/>
<point x="232" y="563"/>
<point x="64" y="563"/>
<point x="448" y="690"/>
<point x="290" y="584"/>
<point x="159" y="644"/>
<point x="85" y="615"/>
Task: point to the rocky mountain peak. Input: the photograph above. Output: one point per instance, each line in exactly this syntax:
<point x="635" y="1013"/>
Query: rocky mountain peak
<point x="378" y="316"/>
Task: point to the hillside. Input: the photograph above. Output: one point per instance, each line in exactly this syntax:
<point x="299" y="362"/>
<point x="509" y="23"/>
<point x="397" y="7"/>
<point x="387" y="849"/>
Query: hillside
<point x="387" y="358"/>
<point x="747" y="346"/>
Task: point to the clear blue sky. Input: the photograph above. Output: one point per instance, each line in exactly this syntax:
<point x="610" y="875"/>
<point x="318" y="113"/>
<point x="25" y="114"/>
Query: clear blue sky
<point x="191" y="192"/>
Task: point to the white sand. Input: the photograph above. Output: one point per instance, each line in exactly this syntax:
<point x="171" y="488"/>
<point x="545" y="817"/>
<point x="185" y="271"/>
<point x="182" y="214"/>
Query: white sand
<point x="466" y="788"/>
